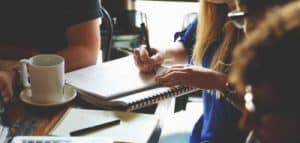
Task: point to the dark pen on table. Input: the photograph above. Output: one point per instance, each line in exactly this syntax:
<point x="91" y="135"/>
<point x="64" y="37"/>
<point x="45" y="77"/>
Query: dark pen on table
<point x="94" y="128"/>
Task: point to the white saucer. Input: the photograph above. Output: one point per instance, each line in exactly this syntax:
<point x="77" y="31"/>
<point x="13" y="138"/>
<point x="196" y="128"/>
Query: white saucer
<point x="69" y="94"/>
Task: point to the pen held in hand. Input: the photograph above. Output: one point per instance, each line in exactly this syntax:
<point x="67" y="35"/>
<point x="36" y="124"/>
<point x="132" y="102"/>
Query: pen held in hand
<point x="146" y="38"/>
<point x="94" y="128"/>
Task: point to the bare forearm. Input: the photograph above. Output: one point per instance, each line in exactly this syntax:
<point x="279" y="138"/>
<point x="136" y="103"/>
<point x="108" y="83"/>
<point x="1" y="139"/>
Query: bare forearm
<point x="177" y="51"/>
<point x="78" y="57"/>
<point x="83" y="45"/>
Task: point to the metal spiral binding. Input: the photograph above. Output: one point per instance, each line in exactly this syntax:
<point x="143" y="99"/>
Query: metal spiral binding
<point x="158" y="97"/>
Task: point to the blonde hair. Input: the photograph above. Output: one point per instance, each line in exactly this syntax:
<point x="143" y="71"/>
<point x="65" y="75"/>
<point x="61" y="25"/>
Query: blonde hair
<point x="213" y="24"/>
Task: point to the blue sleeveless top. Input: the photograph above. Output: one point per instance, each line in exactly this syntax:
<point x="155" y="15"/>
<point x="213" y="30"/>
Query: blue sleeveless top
<point x="219" y="121"/>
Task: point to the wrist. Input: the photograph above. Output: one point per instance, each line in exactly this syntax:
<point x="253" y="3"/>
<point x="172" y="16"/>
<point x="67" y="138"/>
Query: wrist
<point x="221" y="80"/>
<point x="228" y="89"/>
<point x="163" y="53"/>
<point x="224" y="86"/>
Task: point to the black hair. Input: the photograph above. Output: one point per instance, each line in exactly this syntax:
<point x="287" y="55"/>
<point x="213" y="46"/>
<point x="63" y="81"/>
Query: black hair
<point x="258" y="5"/>
<point x="269" y="55"/>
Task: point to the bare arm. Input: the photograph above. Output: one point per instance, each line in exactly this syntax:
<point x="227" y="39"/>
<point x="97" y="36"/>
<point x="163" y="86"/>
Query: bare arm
<point x="200" y="77"/>
<point x="83" y="45"/>
<point x="82" y="49"/>
<point x="145" y="63"/>
<point x="176" y="51"/>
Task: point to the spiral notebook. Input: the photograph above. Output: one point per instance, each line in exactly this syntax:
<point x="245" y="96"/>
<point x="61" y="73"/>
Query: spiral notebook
<point x="139" y="100"/>
<point x="118" y="84"/>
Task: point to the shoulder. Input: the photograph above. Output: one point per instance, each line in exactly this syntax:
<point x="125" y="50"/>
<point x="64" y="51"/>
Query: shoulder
<point x="83" y="10"/>
<point x="84" y="3"/>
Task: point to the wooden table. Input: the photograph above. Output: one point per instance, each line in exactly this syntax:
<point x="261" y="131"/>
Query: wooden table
<point x="29" y="120"/>
<point x="25" y="119"/>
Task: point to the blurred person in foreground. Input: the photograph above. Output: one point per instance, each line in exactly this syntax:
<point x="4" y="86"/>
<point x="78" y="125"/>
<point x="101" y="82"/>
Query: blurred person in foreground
<point x="265" y="71"/>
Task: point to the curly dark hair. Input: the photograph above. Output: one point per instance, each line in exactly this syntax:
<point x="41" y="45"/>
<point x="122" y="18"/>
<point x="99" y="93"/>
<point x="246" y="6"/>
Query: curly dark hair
<point x="270" y="53"/>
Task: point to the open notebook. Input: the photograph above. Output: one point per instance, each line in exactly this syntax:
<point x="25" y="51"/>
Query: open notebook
<point x="120" y="84"/>
<point x="133" y="127"/>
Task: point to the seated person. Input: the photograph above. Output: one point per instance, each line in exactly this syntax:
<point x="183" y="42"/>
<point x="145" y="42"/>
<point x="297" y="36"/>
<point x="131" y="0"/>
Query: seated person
<point x="69" y="28"/>
<point x="210" y="49"/>
<point x="265" y="70"/>
<point x="247" y="15"/>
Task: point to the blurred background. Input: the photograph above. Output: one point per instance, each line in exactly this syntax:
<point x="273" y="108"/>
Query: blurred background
<point x="162" y="17"/>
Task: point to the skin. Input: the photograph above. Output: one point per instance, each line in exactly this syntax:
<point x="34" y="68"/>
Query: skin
<point x="194" y="76"/>
<point x="83" y="46"/>
<point x="83" y="41"/>
<point x="6" y="84"/>
<point x="148" y="64"/>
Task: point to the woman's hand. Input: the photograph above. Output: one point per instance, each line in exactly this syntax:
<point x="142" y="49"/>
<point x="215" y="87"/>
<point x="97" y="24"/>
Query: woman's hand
<point x="7" y="79"/>
<point x="192" y="76"/>
<point x="146" y="63"/>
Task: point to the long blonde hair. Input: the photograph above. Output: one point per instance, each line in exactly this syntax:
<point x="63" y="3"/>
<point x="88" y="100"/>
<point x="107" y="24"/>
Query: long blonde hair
<point x="213" y="24"/>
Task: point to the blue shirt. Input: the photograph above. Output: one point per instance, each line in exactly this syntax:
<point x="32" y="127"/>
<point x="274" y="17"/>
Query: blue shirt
<point x="219" y="121"/>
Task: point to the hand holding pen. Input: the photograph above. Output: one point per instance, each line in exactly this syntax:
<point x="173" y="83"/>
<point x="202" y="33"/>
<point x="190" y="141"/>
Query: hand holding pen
<point x="146" y="58"/>
<point x="145" y="38"/>
<point x="146" y="63"/>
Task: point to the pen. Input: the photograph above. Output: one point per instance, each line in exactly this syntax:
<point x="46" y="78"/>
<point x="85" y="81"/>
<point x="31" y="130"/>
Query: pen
<point x="146" y="38"/>
<point x="96" y="127"/>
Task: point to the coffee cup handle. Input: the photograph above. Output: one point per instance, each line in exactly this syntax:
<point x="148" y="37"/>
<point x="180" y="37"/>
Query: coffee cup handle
<point x="24" y="73"/>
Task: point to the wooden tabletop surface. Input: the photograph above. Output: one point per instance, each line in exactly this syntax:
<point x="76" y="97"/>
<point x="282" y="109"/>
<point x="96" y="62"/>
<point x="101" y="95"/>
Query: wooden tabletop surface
<point x="24" y="119"/>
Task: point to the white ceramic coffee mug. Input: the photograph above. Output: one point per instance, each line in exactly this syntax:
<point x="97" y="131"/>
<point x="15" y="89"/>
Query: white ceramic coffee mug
<point x="44" y="75"/>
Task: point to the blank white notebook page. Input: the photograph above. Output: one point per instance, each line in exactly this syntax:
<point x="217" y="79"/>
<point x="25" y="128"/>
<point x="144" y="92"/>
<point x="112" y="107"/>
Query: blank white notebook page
<point x="111" y="79"/>
<point x="134" y="127"/>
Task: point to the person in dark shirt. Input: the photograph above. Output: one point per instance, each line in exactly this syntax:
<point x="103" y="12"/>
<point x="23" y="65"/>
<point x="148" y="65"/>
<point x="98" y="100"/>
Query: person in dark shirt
<point x="69" y="28"/>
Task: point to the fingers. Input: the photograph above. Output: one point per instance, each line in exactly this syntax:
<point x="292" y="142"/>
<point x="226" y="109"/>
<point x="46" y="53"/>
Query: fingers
<point x="144" y="55"/>
<point x="176" y="75"/>
<point x="144" y="62"/>
<point x="162" y="70"/>
<point x="141" y="61"/>
<point x="179" y="69"/>
<point x="141" y="54"/>
<point x="171" y="78"/>
<point x="136" y="56"/>
<point x="6" y="94"/>
<point x="192" y="76"/>
<point x="6" y="91"/>
<point x="179" y="66"/>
